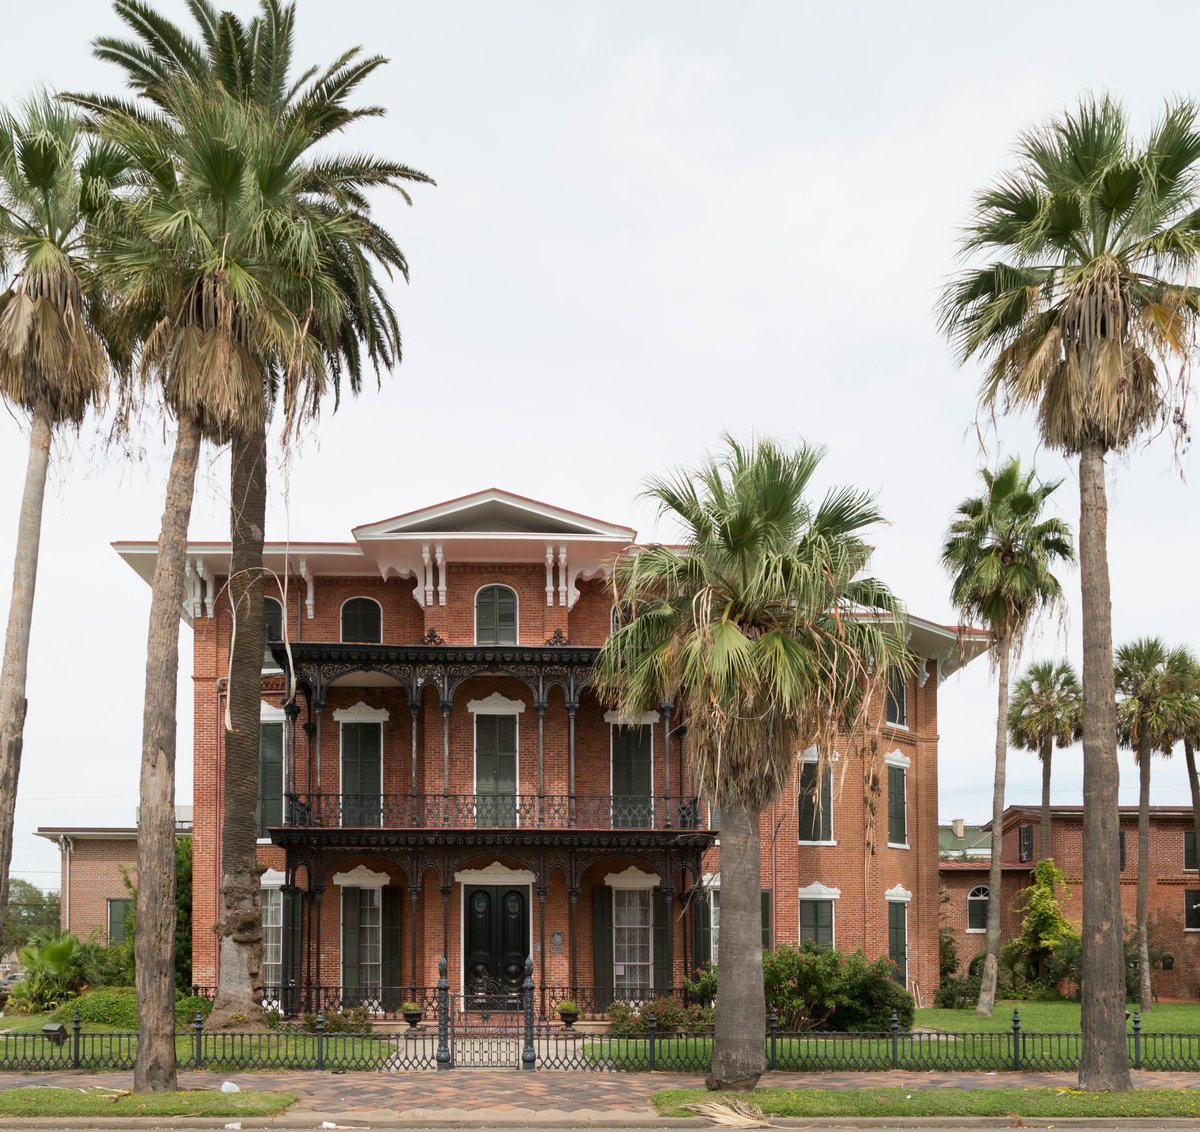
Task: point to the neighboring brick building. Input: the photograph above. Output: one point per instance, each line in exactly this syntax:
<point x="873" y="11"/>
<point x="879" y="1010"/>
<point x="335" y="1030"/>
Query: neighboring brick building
<point x="1174" y="899"/>
<point x="447" y="783"/>
<point x="94" y="861"/>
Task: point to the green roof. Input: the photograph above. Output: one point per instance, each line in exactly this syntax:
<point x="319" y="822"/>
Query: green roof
<point x="975" y="842"/>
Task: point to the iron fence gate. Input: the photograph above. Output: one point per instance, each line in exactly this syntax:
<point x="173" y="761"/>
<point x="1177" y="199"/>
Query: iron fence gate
<point x="488" y="1026"/>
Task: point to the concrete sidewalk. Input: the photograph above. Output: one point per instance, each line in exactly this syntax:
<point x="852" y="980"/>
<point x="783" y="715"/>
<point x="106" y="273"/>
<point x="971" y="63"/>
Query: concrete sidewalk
<point x="510" y="1098"/>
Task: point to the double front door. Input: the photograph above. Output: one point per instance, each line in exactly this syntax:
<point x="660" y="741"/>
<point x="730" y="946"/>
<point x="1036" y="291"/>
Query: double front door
<point x="495" y="944"/>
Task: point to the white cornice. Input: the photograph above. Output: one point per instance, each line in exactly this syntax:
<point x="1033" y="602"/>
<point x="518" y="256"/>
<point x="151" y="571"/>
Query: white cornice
<point x="495" y="873"/>
<point x="897" y="758"/>
<point x="361" y="713"/>
<point x="362" y="877"/>
<point x="818" y="891"/>
<point x="632" y="877"/>
<point x="898" y="894"/>
<point x="495" y="704"/>
<point x="647" y="718"/>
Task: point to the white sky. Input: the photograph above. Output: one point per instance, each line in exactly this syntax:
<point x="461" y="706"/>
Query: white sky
<point x="652" y="223"/>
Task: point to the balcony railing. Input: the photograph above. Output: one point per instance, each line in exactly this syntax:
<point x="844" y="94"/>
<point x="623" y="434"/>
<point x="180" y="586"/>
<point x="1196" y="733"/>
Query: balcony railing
<point x="491" y="811"/>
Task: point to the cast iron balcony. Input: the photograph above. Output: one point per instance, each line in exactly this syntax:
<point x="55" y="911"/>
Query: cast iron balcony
<point x="491" y="811"/>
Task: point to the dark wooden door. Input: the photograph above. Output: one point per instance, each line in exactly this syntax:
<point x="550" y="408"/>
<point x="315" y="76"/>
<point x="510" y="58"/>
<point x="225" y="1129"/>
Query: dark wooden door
<point x="495" y="942"/>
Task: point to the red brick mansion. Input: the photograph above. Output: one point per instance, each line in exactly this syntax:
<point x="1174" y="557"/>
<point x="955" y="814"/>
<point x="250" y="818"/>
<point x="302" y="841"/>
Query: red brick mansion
<point x="447" y="783"/>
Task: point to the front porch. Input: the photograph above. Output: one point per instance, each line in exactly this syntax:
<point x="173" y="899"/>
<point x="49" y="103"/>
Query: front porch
<point x="366" y="927"/>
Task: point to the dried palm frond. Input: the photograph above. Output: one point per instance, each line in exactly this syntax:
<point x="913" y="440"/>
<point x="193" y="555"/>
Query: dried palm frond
<point x="732" y="1114"/>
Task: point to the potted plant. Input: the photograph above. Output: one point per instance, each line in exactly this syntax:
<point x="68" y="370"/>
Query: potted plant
<point x="568" y="1012"/>
<point x="411" y="1013"/>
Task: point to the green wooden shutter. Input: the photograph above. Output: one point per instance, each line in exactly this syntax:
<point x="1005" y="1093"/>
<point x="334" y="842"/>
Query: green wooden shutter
<point x="631" y="776"/>
<point x="825" y="923"/>
<point x="663" y="967"/>
<point x="361" y="763"/>
<point x="270" y="776"/>
<point x="1121" y="836"/>
<point x="701" y="929"/>
<point x="897" y="818"/>
<point x="816" y="812"/>
<point x="602" y="945"/>
<point x="898" y="939"/>
<point x="350" y="943"/>
<point x="391" y="948"/>
<point x="765" y="902"/>
<point x="1189" y="849"/>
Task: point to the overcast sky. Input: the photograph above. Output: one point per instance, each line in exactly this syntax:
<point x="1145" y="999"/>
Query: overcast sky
<point x="653" y="222"/>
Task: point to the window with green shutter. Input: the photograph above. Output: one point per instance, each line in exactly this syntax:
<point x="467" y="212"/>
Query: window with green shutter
<point x="898" y="940"/>
<point x="1191" y="909"/>
<point x="977" y="908"/>
<point x="362" y="773"/>
<point x="118" y="912"/>
<point x="1189" y="849"/>
<point x="496" y="771"/>
<point x="362" y="621"/>
<point x="272" y="629"/>
<point x="816" y="922"/>
<point x="767" y="918"/>
<point x="631" y="776"/>
<point x="1122" y="837"/>
<point x="270" y="777"/>
<point x="816" y="808"/>
<point x="1025" y="843"/>
<point x="496" y="616"/>
<point x="897" y="699"/>
<point x="897" y="806"/>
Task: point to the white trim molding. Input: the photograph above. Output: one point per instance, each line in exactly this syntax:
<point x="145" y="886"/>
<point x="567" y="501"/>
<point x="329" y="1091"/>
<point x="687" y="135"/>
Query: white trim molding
<point x="362" y="877"/>
<point x="648" y="718"/>
<point x="495" y="873"/>
<point x="272" y="878"/>
<point x="897" y="758"/>
<point x="361" y="713"/>
<point x="812" y="755"/>
<point x="632" y="877"/>
<point x="898" y="894"/>
<point x="496" y="704"/>
<point x="818" y="891"/>
<point x="269" y="713"/>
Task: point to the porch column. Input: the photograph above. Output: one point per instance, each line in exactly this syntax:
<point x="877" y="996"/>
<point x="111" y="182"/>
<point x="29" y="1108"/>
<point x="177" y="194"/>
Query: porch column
<point x="573" y="892"/>
<point x="541" y="714"/>
<point x="414" y="709"/>
<point x="287" y="974"/>
<point x="681" y="730"/>
<point x="446" y="706"/>
<point x="306" y="913"/>
<point x="446" y="890"/>
<point x="318" y="892"/>
<point x="572" y="707"/>
<point x="416" y="882"/>
<point x="316" y="788"/>
<point x="669" y="904"/>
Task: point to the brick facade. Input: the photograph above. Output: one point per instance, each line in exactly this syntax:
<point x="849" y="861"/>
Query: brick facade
<point x="561" y="594"/>
<point x="1169" y="882"/>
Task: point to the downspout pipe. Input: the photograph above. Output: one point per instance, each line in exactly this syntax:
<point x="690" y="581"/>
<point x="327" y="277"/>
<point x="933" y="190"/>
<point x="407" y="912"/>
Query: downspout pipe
<point x="65" y="846"/>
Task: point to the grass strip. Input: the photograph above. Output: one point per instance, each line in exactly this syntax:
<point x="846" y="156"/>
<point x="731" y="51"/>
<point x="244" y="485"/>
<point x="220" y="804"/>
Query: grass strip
<point x="38" y="1101"/>
<point x="926" y="1101"/>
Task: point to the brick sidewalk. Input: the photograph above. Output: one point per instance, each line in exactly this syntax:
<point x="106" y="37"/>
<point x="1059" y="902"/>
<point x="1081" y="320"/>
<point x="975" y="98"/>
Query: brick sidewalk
<point x="510" y="1096"/>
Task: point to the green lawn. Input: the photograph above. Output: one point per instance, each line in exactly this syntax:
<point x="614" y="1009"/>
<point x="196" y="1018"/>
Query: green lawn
<point x="944" y="1102"/>
<point x="1058" y="1017"/>
<point x="37" y="1101"/>
<point x="25" y="1023"/>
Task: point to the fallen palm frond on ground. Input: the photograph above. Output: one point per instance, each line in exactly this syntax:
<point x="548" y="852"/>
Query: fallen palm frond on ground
<point x="732" y="1114"/>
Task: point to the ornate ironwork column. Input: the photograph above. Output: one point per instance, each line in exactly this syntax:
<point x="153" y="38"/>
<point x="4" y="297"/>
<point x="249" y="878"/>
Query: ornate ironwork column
<point x="318" y="892"/>
<point x="414" y="709"/>
<point x="572" y="707"/>
<point x="666" y="708"/>
<point x="416" y="882"/>
<point x="443" y="1010"/>
<point x="291" y="712"/>
<point x="542" y="892"/>
<point x="446" y="706"/>
<point x="573" y="893"/>
<point x="540" y="706"/>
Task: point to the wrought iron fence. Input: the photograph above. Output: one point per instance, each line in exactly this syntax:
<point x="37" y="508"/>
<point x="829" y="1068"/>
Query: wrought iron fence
<point x="492" y="811"/>
<point x="445" y="1038"/>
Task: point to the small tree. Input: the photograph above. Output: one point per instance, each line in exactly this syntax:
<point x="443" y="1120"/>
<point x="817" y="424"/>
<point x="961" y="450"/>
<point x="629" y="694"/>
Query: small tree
<point x="1044" y="928"/>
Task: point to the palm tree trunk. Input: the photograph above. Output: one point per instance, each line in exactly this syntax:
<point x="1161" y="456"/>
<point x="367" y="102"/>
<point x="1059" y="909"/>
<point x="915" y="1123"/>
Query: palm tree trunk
<point x="738" y="1049"/>
<point x="239" y="926"/>
<point x="1145" y="994"/>
<point x="991" y="963"/>
<point x="1047" y="755"/>
<point x="16" y="639"/>
<point x="154" y="939"/>
<point x="1189" y="755"/>
<point x="1104" y="1062"/>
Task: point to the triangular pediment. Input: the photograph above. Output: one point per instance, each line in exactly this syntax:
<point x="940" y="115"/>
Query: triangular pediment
<point x="493" y="512"/>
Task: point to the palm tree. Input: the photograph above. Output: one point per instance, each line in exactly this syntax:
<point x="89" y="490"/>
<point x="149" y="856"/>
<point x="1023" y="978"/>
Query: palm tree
<point x="1079" y="303"/>
<point x="1190" y="734"/>
<point x="1001" y="554"/>
<point x="763" y="628"/>
<point x="1046" y="708"/>
<point x="251" y="63"/>
<point x="1152" y="683"/>
<point x="54" y="361"/>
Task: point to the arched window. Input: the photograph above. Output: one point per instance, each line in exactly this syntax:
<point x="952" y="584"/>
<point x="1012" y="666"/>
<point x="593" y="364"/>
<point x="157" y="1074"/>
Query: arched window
<point x="496" y="616"/>
<point x="977" y="908"/>
<point x="362" y="621"/>
<point x="272" y="629"/>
